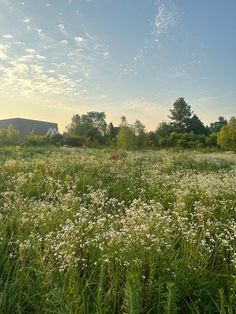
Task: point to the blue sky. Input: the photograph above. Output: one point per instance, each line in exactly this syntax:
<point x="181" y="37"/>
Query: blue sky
<point x="127" y="57"/>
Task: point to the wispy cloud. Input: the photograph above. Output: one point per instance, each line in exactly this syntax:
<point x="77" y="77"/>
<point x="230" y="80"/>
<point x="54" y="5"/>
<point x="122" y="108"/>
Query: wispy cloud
<point x="26" y="20"/>
<point x="79" y="40"/>
<point x="139" y="105"/>
<point x="61" y="27"/>
<point x="27" y="74"/>
<point x="32" y="28"/>
<point x="63" y="42"/>
<point x="167" y="16"/>
<point x="7" y="36"/>
<point x="3" y="52"/>
<point x="59" y="106"/>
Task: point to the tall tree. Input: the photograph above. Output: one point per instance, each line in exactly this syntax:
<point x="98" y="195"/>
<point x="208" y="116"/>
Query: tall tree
<point x="226" y="138"/>
<point x="91" y="126"/>
<point x="196" y="126"/>
<point x="111" y="134"/>
<point x="180" y="115"/>
<point x="218" y="125"/>
<point x="112" y="130"/>
<point x="140" y="133"/>
<point x="152" y="139"/>
<point x="124" y="121"/>
<point x="126" y="138"/>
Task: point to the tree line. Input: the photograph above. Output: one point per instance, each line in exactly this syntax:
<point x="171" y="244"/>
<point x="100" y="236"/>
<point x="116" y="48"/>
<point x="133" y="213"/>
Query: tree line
<point x="184" y="130"/>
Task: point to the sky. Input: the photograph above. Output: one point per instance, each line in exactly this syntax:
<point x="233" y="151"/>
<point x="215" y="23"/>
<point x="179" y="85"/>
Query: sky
<point x="124" y="57"/>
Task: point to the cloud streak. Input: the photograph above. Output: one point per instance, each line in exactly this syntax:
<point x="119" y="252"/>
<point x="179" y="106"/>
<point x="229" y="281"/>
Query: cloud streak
<point x="166" y="18"/>
<point x="3" y="52"/>
<point x="27" y="74"/>
<point x="7" y="36"/>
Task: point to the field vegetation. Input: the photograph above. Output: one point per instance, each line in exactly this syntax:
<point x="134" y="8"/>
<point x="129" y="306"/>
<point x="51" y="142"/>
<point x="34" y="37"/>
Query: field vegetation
<point x="103" y="231"/>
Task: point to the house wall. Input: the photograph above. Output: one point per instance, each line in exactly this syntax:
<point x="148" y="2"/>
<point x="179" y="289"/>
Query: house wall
<point x="26" y="126"/>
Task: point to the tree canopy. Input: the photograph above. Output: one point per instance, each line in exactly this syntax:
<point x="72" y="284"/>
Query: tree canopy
<point x="196" y="126"/>
<point x="184" y="130"/>
<point x="180" y="115"/>
<point x="90" y="127"/>
<point x="218" y="125"/>
<point x="227" y="135"/>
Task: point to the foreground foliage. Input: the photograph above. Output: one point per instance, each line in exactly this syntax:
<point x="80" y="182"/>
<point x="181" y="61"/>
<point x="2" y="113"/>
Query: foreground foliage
<point x="86" y="231"/>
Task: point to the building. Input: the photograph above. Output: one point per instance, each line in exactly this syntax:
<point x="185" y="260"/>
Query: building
<point x="26" y="126"/>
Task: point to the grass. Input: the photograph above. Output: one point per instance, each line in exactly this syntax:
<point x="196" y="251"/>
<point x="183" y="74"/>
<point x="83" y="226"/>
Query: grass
<point x="102" y="231"/>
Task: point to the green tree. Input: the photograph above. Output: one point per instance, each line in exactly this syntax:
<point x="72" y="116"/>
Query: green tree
<point x="180" y="115"/>
<point x="163" y="132"/>
<point x="124" y="121"/>
<point x="152" y="139"/>
<point x="211" y="140"/>
<point x="140" y="133"/>
<point x="126" y="138"/>
<point x="90" y="127"/>
<point x="164" y="129"/>
<point x="226" y="138"/>
<point x="111" y="134"/>
<point x="218" y="125"/>
<point x="196" y="126"/>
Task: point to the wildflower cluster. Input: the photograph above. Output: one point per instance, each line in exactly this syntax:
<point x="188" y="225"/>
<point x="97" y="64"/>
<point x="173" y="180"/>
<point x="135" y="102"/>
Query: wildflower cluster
<point x="145" y="219"/>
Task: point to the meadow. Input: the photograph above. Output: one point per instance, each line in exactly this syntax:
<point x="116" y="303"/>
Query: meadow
<point x="102" y="231"/>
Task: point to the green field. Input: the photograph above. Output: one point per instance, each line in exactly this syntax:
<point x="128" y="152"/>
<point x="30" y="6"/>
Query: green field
<point x="102" y="231"/>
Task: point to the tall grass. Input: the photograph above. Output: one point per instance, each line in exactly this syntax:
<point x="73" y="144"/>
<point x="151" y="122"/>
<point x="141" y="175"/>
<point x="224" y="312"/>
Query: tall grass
<point x="101" y="231"/>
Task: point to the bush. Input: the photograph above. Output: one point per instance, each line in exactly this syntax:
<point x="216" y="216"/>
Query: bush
<point x="36" y="140"/>
<point x="211" y="140"/>
<point x="10" y="136"/>
<point x="75" y="141"/>
<point x="57" y="140"/>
